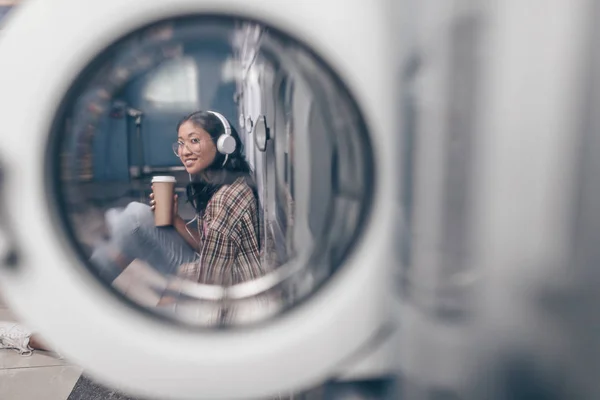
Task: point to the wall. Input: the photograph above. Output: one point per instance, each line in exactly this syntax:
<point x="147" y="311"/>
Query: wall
<point x="117" y="143"/>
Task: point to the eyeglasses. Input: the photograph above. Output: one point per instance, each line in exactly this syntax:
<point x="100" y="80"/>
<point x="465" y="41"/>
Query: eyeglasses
<point x="194" y="145"/>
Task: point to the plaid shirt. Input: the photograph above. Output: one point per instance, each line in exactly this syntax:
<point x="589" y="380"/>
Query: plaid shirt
<point x="230" y="251"/>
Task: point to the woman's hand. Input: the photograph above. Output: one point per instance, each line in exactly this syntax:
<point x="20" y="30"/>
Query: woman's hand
<point x="175" y="205"/>
<point x="166" y="301"/>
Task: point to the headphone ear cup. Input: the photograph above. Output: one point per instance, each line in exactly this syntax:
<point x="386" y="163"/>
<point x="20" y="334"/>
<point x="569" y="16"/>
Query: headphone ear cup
<point x="226" y="144"/>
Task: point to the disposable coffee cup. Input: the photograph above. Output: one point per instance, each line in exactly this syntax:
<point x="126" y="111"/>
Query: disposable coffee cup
<point x="164" y="190"/>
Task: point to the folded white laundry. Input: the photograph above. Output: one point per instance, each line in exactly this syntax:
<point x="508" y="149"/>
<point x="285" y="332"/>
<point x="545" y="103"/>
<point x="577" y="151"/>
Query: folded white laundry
<point x="15" y="336"/>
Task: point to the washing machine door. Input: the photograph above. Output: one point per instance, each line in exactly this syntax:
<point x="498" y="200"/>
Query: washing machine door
<point x="91" y="89"/>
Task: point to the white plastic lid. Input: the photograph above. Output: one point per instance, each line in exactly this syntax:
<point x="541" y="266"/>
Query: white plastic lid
<point x="164" y="179"/>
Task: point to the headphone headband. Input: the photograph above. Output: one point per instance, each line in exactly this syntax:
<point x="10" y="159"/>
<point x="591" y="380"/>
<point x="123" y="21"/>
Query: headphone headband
<point x="224" y="122"/>
<point x="226" y="143"/>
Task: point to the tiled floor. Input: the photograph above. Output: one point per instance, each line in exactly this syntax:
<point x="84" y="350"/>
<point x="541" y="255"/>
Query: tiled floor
<point x="38" y="383"/>
<point x="38" y="377"/>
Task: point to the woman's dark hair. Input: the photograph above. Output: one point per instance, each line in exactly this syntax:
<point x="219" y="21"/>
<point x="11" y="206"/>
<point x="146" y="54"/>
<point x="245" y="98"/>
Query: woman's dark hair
<point x="200" y="191"/>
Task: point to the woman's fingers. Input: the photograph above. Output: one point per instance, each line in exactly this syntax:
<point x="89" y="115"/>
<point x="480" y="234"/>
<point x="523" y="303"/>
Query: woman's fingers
<point x="152" y="201"/>
<point x="166" y="301"/>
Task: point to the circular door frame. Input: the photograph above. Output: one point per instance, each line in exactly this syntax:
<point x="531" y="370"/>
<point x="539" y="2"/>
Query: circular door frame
<point x="116" y="344"/>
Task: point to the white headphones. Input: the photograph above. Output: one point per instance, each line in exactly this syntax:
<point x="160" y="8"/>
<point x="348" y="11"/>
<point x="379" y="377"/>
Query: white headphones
<point x="226" y="143"/>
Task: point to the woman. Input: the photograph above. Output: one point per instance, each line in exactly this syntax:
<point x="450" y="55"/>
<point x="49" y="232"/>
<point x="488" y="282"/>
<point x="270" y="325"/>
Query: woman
<point x="223" y="248"/>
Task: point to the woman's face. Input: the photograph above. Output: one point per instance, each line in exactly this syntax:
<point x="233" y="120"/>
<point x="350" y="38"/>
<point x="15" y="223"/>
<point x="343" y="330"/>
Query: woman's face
<point x="197" y="151"/>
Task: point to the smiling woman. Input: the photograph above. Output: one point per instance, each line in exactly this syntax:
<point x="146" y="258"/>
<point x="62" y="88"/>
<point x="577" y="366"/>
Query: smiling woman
<point x="224" y="249"/>
<point x="221" y="191"/>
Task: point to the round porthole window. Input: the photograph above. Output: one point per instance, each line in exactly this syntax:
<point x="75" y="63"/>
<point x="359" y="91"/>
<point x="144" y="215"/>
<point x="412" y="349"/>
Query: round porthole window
<point x="206" y="230"/>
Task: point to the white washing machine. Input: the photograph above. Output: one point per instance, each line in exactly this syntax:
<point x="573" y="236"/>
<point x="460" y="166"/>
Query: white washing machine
<point x="65" y="63"/>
